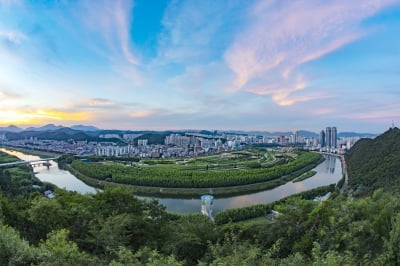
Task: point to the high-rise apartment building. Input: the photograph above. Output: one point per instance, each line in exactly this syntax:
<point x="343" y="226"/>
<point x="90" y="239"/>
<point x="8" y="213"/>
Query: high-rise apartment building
<point x="331" y="137"/>
<point x="334" y="137"/>
<point x="322" y="139"/>
<point x="328" y="138"/>
<point x="296" y="137"/>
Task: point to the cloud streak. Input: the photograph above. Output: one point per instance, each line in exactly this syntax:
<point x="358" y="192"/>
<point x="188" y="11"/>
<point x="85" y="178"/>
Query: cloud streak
<point x="195" y="31"/>
<point x="99" y="102"/>
<point x="283" y="35"/>
<point x="13" y="37"/>
<point x="112" y="22"/>
<point x="7" y="95"/>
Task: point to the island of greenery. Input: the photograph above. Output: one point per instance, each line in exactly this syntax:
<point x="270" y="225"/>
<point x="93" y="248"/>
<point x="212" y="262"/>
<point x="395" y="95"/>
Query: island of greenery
<point x="223" y="174"/>
<point x="359" y="225"/>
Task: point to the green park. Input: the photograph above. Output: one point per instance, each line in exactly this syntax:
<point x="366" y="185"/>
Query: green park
<point x="227" y="173"/>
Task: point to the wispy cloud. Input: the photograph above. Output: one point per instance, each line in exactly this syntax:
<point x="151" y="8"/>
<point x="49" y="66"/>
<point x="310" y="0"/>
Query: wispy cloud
<point x="99" y="101"/>
<point x="282" y="35"/>
<point x="14" y="37"/>
<point x="196" y="30"/>
<point x="7" y="95"/>
<point x="384" y="112"/>
<point x="143" y="113"/>
<point x="113" y="21"/>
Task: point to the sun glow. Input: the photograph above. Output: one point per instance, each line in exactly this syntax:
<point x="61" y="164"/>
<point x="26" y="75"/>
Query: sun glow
<point x="18" y="117"/>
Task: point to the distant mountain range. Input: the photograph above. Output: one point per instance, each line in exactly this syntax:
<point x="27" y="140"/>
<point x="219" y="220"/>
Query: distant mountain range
<point x="82" y="132"/>
<point x="49" y="127"/>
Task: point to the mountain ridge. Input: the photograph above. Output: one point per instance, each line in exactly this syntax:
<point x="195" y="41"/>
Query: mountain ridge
<point x="94" y="131"/>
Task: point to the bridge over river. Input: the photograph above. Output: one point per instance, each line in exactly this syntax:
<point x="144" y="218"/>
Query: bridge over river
<point x="44" y="161"/>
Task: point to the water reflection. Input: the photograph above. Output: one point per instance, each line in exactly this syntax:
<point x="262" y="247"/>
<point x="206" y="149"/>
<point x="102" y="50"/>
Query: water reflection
<point x="331" y="161"/>
<point x="54" y="175"/>
<point x="328" y="172"/>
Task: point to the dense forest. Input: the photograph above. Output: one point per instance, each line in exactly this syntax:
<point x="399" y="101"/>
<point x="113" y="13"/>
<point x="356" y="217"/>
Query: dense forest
<point x="376" y="163"/>
<point x="358" y="226"/>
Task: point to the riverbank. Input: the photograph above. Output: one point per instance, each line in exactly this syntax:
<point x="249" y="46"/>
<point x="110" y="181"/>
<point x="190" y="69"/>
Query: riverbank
<point x="261" y="210"/>
<point x="189" y="193"/>
<point x="40" y="153"/>
<point x="305" y="176"/>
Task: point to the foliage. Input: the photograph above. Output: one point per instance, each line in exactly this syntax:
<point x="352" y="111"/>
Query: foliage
<point x="176" y="176"/>
<point x="152" y="138"/>
<point x="14" y="250"/>
<point x="305" y="176"/>
<point x="374" y="163"/>
<point x="58" y="250"/>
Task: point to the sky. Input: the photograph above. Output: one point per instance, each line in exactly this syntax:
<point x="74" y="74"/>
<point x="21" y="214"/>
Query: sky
<point x="201" y="64"/>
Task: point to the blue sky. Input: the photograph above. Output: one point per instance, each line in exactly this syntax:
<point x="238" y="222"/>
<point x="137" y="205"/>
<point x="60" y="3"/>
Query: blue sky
<point x="250" y="65"/>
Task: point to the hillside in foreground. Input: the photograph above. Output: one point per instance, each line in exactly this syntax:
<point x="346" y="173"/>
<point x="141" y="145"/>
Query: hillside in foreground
<point x="375" y="163"/>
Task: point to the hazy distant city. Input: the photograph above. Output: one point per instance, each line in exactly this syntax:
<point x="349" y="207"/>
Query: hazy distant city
<point x="85" y="141"/>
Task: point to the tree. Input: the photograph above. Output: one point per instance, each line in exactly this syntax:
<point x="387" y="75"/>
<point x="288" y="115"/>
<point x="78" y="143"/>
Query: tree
<point x="47" y="215"/>
<point x="14" y="250"/>
<point x="189" y="237"/>
<point x="57" y="250"/>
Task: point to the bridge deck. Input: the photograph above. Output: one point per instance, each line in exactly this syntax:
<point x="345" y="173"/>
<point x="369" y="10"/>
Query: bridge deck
<point x="28" y="162"/>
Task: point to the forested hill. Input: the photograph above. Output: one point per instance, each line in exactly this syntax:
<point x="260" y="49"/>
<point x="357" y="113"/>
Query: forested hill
<point x="375" y="163"/>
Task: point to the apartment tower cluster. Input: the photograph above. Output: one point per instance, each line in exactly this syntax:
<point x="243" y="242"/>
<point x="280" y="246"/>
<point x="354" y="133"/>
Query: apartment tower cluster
<point x="328" y="138"/>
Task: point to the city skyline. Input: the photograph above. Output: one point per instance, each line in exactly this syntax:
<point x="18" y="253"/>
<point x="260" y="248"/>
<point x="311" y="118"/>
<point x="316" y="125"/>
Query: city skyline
<point x="243" y="65"/>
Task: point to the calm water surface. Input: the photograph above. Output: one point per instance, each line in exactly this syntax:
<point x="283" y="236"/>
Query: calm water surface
<point x="52" y="174"/>
<point x="328" y="172"/>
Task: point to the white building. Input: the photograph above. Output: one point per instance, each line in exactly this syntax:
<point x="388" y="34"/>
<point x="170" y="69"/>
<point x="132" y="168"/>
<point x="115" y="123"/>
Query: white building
<point x="112" y="150"/>
<point x="142" y="142"/>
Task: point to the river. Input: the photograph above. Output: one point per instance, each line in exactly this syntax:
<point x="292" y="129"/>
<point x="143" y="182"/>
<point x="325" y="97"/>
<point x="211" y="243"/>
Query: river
<point x="52" y="174"/>
<point x="328" y="172"/>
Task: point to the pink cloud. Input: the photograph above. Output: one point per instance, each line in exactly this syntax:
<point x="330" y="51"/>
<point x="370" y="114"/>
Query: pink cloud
<point x="7" y="95"/>
<point x="282" y="35"/>
<point x="142" y="113"/>
<point x="378" y="115"/>
<point x="99" y="101"/>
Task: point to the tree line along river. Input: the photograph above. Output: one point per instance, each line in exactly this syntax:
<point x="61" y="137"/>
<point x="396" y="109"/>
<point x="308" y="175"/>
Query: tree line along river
<point x="328" y="172"/>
